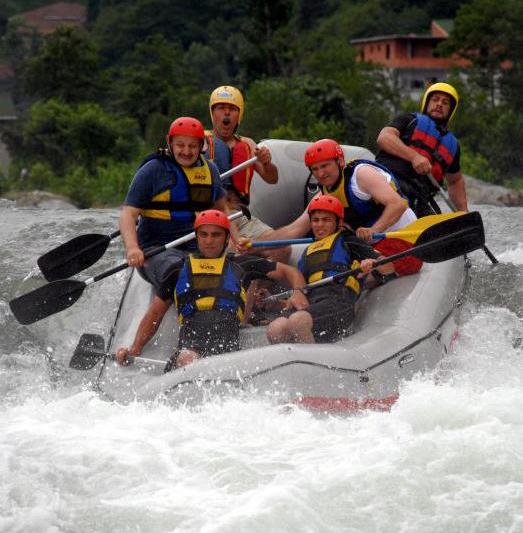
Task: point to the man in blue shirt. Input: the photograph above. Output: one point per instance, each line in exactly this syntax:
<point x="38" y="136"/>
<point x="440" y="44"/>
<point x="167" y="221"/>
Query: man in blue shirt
<point x="167" y="190"/>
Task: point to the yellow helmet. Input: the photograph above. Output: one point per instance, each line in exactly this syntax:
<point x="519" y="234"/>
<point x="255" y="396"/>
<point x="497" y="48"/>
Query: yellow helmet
<point x="226" y="94"/>
<point x="441" y="88"/>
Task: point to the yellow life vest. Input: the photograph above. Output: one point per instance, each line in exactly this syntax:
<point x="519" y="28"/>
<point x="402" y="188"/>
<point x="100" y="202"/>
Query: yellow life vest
<point x="209" y="284"/>
<point x="327" y="257"/>
<point x="191" y="190"/>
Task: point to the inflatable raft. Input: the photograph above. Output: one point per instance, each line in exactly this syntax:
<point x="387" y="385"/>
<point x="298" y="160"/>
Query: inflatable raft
<point x="402" y="328"/>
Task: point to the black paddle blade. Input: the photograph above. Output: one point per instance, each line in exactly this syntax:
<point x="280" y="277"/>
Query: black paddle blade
<point x="90" y="349"/>
<point x="73" y="256"/>
<point x="451" y="238"/>
<point x="47" y="300"/>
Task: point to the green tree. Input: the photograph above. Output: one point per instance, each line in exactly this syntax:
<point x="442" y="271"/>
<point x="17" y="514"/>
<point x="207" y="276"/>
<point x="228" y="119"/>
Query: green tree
<point x="482" y="33"/>
<point x="488" y="34"/>
<point x="65" y="67"/>
<point x="149" y="75"/>
<point x="62" y="135"/>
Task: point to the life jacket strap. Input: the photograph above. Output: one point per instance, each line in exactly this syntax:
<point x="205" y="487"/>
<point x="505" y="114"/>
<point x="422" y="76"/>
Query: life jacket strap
<point x="190" y="296"/>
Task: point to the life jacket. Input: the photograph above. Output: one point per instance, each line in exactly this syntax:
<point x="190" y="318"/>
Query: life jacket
<point x="439" y="148"/>
<point x="219" y="152"/>
<point x="191" y="190"/>
<point x="209" y="284"/>
<point x="358" y="212"/>
<point x="327" y="257"/>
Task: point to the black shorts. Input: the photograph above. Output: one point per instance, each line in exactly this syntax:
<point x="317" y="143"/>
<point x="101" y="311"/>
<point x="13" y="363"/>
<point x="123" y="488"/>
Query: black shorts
<point x="332" y="311"/>
<point x="210" y="333"/>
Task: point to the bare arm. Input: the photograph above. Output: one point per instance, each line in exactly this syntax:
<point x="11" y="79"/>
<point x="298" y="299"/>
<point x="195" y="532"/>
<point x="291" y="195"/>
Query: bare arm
<point x="299" y="228"/>
<point x="457" y="190"/>
<point x="372" y="182"/>
<point x="147" y="328"/>
<point x="294" y="278"/>
<point x="264" y="165"/>
<point x="128" y="218"/>
<point x="389" y="141"/>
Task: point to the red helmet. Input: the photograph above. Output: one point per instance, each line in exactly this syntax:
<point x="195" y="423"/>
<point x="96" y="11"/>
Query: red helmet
<point x="189" y="126"/>
<point x="326" y="202"/>
<point x="214" y="217"/>
<point x="322" y="151"/>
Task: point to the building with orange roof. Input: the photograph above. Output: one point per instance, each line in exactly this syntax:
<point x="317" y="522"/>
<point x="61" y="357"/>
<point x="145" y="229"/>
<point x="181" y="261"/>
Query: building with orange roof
<point x="411" y="59"/>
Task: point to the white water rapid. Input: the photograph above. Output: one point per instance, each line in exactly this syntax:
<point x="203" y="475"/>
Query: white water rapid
<point x="448" y="457"/>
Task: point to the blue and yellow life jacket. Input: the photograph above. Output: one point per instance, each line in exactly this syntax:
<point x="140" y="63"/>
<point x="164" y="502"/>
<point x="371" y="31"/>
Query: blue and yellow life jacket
<point x="209" y="284"/>
<point x="439" y="148"/>
<point x="358" y="212"/>
<point x="190" y="189"/>
<point x="226" y="158"/>
<point x="327" y="257"/>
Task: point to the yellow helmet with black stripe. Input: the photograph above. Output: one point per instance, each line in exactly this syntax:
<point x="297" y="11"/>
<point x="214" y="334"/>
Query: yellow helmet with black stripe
<point x="441" y="87"/>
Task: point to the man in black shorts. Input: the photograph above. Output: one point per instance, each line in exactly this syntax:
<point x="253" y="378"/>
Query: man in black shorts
<point x="331" y="311"/>
<point x="209" y="290"/>
<point x="414" y="145"/>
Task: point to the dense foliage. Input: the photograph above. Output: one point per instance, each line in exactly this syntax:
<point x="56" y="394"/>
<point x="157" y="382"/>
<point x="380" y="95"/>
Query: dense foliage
<point x="95" y="101"/>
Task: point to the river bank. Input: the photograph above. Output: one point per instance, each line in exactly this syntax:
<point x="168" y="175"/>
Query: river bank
<point x="478" y="192"/>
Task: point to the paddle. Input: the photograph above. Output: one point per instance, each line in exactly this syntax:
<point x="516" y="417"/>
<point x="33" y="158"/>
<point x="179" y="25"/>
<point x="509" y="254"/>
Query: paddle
<point x="280" y="242"/>
<point x="61" y="294"/>
<point x="410" y="232"/>
<point x="74" y="256"/>
<point x="450" y="238"/>
<point x="83" y="251"/>
<point x="91" y="348"/>
<point x="452" y="207"/>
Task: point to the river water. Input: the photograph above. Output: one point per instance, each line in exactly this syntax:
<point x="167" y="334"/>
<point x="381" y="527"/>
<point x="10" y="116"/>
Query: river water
<point x="448" y="457"/>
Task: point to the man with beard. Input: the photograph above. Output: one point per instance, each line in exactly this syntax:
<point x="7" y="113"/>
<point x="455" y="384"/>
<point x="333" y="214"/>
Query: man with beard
<point x="414" y="145"/>
<point x="227" y="149"/>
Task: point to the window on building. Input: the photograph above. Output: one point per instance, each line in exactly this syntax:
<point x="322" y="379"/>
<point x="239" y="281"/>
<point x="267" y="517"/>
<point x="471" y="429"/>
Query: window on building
<point x="416" y="84"/>
<point x="387" y="51"/>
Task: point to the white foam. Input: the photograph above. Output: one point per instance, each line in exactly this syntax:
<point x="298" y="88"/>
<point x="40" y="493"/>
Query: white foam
<point x="446" y="458"/>
<point x="513" y="255"/>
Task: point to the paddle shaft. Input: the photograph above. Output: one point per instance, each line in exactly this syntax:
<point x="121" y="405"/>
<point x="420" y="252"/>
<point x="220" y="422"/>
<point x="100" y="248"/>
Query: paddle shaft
<point x="281" y="242"/>
<point x="83" y="251"/>
<point x="59" y="295"/>
<point x="239" y="167"/>
<point x="151" y="253"/>
<point x="452" y="206"/>
<point x="131" y="359"/>
<point x="415" y="250"/>
<point x="191" y="236"/>
<point x="308" y="240"/>
<point x="177" y="242"/>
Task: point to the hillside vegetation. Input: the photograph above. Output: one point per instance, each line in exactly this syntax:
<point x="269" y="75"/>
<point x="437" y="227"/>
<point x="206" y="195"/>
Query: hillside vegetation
<point x="93" y="102"/>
